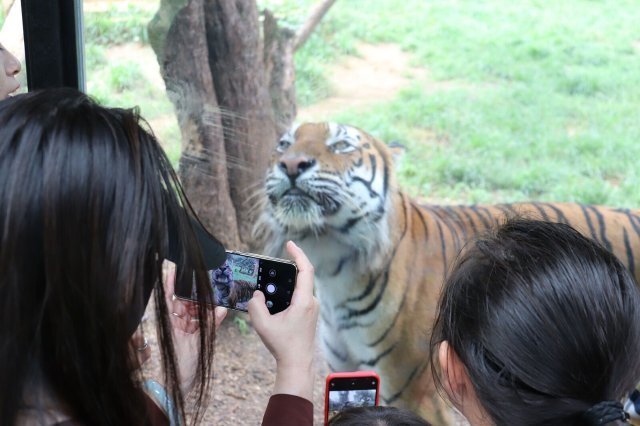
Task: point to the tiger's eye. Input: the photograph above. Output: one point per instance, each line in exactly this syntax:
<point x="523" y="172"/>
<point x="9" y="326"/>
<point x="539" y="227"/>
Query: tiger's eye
<point x="341" y="146"/>
<point x="283" y="145"/>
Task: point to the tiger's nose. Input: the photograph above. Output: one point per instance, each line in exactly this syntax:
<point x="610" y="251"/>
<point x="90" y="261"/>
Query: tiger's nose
<point x="295" y="166"/>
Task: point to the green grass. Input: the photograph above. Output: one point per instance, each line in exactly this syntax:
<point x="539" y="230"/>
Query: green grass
<point x="116" y="26"/>
<point x="123" y="83"/>
<point x="326" y="45"/>
<point x="526" y="100"/>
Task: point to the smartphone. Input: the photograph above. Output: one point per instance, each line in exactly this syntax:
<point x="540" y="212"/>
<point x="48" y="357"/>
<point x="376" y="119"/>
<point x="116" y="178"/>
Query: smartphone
<point x="234" y="282"/>
<point x="351" y="389"/>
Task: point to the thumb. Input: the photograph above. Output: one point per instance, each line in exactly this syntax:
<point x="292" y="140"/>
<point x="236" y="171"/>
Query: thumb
<point x="258" y="311"/>
<point x="220" y="314"/>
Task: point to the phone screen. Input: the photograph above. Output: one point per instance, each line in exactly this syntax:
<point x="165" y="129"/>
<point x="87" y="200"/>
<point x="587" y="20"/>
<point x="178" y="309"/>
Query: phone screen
<point x="234" y="282"/>
<point x="348" y="392"/>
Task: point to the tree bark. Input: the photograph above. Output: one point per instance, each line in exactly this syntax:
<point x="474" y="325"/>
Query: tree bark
<point x="280" y="68"/>
<point x="233" y="96"/>
<point x="236" y="60"/>
<point x="177" y="35"/>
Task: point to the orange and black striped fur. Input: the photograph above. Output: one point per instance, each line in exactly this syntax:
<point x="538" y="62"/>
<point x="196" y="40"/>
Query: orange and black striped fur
<point x="380" y="257"/>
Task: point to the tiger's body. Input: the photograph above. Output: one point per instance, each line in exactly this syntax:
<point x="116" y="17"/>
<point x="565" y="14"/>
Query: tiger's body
<point x="380" y="258"/>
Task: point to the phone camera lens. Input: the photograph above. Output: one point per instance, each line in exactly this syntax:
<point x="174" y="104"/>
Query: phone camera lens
<point x="272" y="273"/>
<point x="269" y="304"/>
<point x="271" y="288"/>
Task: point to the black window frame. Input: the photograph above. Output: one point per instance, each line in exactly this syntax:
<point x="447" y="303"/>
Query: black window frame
<point x="53" y="43"/>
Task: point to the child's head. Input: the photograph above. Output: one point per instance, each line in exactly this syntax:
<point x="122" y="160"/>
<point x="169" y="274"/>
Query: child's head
<point x="377" y="416"/>
<point x="536" y="325"/>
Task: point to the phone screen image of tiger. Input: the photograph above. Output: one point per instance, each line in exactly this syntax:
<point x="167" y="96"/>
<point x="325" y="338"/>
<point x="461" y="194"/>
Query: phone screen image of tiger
<point x="351" y="392"/>
<point x="234" y="282"/>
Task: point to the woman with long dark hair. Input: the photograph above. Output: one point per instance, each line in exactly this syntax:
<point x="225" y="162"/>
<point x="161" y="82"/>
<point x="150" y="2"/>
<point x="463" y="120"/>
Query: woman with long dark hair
<point x="537" y="325"/>
<point x="89" y="209"/>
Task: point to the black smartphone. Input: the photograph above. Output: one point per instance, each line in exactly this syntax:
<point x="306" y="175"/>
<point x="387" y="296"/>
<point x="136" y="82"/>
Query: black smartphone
<point x="350" y="389"/>
<point x="234" y="282"/>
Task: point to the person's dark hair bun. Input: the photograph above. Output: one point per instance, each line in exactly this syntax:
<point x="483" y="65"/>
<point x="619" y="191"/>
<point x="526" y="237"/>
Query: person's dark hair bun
<point x="604" y="413"/>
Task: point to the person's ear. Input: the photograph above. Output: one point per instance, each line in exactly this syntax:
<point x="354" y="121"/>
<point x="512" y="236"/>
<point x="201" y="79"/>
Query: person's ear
<point x="454" y="374"/>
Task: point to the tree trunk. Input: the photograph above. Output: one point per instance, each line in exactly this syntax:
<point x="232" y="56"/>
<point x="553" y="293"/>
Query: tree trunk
<point x="280" y="67"/>
<point x="236" y="60"/>
<point x="233" y="97"/>
<point x="177" y="35"/>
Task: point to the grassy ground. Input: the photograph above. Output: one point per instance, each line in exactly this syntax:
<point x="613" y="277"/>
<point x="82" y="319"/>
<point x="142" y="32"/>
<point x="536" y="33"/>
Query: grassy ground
<point x="121" y="81"/>
<point x="539" y="99"/>
<point x="524" y="100"/>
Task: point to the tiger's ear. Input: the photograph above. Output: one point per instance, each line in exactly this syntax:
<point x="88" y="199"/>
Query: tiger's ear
<point x="397" y="151"/>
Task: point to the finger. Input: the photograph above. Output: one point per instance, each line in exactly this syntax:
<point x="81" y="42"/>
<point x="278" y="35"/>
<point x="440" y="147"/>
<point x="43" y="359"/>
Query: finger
<point x="169" y="276"/>
<point x="304" y="284"/>
<point x="258" y="311"/>
<point x="181" y="309"/>
<point x="143" y="355"/>
<point x="220" y="314"/>
<point x="140" y="349"/>
<point x="185" y="322"/>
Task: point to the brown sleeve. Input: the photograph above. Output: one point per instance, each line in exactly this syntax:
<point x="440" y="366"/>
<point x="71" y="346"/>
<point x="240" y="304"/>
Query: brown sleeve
<point x="155" y="415"/>
<point x="288" y="410"/>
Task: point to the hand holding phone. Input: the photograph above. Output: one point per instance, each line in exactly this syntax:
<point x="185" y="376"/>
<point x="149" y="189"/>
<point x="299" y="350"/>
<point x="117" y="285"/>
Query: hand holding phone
<point x="351" y="389"/>
<point x="290" y="335"/>
<point x="234" y="282"/>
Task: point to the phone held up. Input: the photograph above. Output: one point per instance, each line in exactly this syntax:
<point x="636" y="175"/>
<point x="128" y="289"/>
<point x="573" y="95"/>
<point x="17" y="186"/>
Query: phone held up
<point x="234" y="282"/>
<point x="350" y="389"/>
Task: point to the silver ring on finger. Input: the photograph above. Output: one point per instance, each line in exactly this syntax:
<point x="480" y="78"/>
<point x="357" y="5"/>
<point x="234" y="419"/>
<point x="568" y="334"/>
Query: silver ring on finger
<point x="144" y="346"/>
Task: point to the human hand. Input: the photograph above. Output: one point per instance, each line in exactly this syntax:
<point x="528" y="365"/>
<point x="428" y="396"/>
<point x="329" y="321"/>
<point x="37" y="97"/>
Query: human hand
<point x="139" y="349"/>
<point x="289" y="335"/>
<point x="185" y="325"/>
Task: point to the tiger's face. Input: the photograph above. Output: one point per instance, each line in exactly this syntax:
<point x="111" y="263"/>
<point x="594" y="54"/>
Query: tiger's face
<point x="327" y="176"/>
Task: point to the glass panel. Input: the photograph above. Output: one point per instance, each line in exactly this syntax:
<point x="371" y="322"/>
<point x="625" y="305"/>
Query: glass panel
<point x="11" y="37"/>
<point x="121" y="67"/>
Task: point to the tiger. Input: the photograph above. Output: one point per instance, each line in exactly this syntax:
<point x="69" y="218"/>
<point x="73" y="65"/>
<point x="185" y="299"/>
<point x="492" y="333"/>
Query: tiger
<point x="240" y="291"/>
<point x="380" y="257"/>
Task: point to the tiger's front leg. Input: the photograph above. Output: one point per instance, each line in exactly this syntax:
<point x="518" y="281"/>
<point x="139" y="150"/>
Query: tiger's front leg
<point x="335" y="349"/>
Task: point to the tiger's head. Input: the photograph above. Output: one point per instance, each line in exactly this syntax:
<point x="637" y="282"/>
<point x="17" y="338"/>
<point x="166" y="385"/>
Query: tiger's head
<point x="328" y="178"/>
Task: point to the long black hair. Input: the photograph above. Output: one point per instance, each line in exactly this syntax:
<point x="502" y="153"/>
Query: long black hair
<point x="85" y="193"/>
<point x="545" y="320"/>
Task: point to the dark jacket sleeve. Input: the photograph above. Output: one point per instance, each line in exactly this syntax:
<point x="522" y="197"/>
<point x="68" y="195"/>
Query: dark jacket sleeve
<point x="288" y="410"/>
<point x="156" y="417"/>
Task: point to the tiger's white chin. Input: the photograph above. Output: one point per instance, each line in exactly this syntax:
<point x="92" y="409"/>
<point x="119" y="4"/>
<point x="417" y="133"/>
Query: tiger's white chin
<point x="300" y="215"/>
